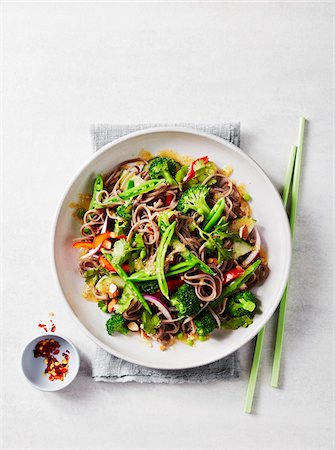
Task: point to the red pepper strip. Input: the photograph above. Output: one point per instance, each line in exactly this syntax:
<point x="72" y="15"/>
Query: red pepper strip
<point x="172" y="285"/>
<point x="168" y="199"/>
<point x="82" y="244"/>
<point x="107" y="265"/>
<point x="191" y="172"/>
<point x="102" y="237"/>
<point x="232" y="274"/>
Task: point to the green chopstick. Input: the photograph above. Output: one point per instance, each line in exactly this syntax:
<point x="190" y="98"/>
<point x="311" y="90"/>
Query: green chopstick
<point x="260" y="337"/>
<point x="254" y="371"/>
<point x="293" y="216"/>
<point x="289" y="175"/>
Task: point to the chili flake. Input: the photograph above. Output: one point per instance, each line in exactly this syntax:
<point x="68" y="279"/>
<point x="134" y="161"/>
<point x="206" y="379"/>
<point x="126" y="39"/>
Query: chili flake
<point x="53" y="327"/>
<point x="45" y="326"/>
<point x="47" y="349"/>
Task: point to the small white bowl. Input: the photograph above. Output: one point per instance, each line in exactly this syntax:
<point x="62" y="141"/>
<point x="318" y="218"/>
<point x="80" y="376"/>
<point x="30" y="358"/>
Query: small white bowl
<point x="33" y="368"/>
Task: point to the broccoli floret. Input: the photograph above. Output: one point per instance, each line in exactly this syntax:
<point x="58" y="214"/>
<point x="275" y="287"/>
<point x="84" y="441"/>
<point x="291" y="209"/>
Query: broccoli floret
<point x="205" y="323"/>
<point x="116" y="322"/>
<point x="121" y="227"/>
<point x="241" y="304"/>
<point x="124" y="211"/>
<point x="195" y="198"/>
<point x="186" y="301"/>
<point x="236" y="322"/>
<point x="150" y="286"/>
<point x="163" y="168"/>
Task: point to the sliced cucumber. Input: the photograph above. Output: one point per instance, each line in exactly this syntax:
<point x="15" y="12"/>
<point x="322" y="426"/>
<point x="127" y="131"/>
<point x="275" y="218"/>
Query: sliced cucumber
<point x="236" y="224"/>
<point x="104" y="283"/>
<point x="241" y="248"/>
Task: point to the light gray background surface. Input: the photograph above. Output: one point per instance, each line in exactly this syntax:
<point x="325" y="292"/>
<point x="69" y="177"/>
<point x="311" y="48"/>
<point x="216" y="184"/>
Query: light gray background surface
<point x="67" y="65"/>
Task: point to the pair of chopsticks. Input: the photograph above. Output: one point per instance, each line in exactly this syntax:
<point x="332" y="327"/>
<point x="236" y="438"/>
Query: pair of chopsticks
<point x="290" y="197"/>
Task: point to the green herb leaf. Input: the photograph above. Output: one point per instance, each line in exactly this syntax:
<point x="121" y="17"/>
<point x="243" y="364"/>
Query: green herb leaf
<point x="150" y="322"/>
<point x="92" y="276"/>
<point x="125" y="299"/>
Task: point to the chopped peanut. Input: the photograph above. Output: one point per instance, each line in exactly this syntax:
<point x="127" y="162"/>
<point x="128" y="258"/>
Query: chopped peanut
<point x="144" y="335"/>
<point x="133" y="326"/>
<point x="113" y="290"/>
<point x="111" y="305"/>
<point x="107" y="244"/>
<point x="212" y="260"/>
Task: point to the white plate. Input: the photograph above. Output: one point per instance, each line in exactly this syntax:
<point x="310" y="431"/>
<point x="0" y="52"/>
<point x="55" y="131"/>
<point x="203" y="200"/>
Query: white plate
<point x="267" y="209"/>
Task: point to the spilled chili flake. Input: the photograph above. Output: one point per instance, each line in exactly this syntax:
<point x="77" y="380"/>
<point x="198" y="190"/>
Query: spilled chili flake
<point x="53" y="327"/>
<point x="42" y="325"/>
<point x="45" y="326"/>
<point x="47" y="349"/>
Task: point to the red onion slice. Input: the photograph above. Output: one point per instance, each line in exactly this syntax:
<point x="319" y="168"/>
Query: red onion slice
<point x="96" y="249"/>
<point x="159" y="304"/>
<point x="255" y="252"/>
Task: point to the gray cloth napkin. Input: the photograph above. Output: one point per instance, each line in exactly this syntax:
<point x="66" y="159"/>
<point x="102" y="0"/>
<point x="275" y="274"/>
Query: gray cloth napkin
<point x="107" y="367"/>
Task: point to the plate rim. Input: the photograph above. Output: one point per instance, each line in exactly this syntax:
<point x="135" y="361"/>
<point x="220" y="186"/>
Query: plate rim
<point x="182" y="130"/>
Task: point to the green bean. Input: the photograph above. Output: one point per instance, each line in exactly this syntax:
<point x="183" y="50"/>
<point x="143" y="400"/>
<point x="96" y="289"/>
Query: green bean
<point x="143" y="188"/>
<point x="97" y="187"/>
<point x="182" y="269"/>
<point x="160" y="259"/>
<point x="143" y="276"/>
<point x="215" y="215"/>
<point x="140" y="189"/>
<point x="192" y="259"/>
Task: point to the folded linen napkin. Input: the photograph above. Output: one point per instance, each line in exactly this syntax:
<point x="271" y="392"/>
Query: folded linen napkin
<point x="109" y="368"/>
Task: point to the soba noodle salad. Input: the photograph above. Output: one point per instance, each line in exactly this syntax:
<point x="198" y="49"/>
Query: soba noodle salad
<point x="170" y="250"/>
